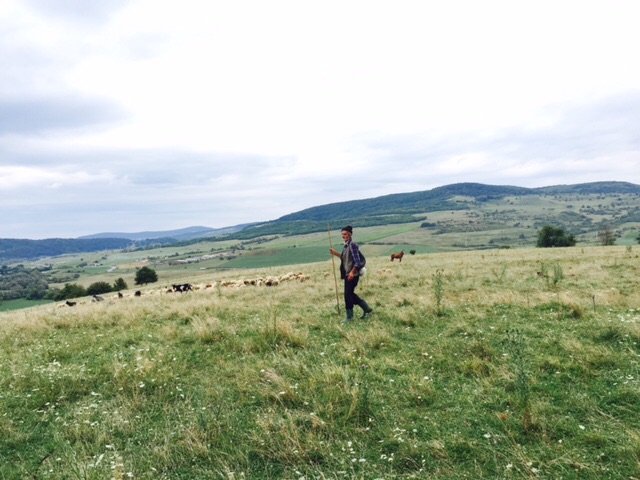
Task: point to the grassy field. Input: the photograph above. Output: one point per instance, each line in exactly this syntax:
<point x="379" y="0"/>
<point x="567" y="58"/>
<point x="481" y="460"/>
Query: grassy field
<point x="520" y="363"/>
<point x="7" y="305"/>
<point x="509" y="222"/>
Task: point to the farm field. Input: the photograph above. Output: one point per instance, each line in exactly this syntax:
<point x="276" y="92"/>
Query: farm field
<point x="474" y="223"/>
<point x="503" y="363"/>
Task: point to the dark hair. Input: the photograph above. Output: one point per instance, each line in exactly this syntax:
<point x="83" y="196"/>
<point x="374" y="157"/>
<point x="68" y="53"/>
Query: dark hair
<point x="348" y="228"/>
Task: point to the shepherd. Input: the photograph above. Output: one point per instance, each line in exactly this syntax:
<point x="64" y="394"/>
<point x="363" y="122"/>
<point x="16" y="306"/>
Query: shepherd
<point x="351" y="261"/>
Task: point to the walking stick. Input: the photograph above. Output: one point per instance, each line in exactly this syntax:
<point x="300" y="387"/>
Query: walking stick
<point x="333" y="262"/>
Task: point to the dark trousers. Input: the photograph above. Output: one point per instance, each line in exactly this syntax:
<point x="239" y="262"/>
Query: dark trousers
<point x="350" y="296"/>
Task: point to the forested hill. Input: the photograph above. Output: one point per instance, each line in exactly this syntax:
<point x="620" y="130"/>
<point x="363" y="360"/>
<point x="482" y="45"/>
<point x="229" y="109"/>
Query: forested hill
<point x="441" y="198"/>
<point x="19" y="248"/>
<point x="406" y="207"/>
<point x="383" y="210"/>
<point x="436" y="199"/>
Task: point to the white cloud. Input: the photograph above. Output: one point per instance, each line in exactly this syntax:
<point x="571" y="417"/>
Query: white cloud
<point x="250" y="110"/>
<point x="16" y="178"/>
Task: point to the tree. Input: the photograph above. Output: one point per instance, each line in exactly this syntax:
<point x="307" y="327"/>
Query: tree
<point x="119" y="284"/>
<point x="98" y="288"/>
<point x="146" y="275"/>
<point x="71" y="290"/>
<point x="638" y="238"/>
<point x="606" y="236"/>
<point x="549" y="236"/>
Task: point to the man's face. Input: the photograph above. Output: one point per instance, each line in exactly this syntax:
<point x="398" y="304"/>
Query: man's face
<point x="346" y="236"/>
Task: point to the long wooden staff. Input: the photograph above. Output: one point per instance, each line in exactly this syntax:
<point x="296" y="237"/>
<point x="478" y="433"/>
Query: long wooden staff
<point x="333" y="262"/>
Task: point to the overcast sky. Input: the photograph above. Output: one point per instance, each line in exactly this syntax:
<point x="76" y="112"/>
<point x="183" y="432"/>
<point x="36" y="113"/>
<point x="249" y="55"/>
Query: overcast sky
<point x="138" y="115"/>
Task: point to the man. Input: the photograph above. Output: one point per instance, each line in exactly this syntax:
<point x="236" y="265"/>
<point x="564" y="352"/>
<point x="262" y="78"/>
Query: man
<point x="350" y="264"/>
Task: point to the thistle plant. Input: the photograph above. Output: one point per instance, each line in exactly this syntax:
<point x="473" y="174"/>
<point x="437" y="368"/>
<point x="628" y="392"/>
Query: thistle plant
<point x="438" y="291"/>
<point x="558" y="274"/>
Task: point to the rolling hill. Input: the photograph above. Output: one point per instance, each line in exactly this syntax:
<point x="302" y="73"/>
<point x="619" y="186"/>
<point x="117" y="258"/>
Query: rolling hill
<point x="581" y="208"/>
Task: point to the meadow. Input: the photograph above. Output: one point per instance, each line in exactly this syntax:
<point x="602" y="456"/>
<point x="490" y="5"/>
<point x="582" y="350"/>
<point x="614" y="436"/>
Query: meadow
<point x="505" y="363"/>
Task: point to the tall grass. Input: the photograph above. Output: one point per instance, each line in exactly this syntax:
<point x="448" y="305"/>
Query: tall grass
<point x="259" y="382"/>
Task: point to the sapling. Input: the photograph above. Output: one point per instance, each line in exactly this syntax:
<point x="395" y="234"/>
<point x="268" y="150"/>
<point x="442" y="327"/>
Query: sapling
<point x="438" y="290"/>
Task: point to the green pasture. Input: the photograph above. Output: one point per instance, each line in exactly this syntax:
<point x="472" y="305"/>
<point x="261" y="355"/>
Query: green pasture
<point x="284" y="256"/>
<point x="502" y="364"/>
<point x="7" y="305"/>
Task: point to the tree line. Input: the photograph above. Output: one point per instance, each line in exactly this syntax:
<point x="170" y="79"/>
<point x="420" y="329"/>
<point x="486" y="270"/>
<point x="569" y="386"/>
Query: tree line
<point x="31" y="284"/>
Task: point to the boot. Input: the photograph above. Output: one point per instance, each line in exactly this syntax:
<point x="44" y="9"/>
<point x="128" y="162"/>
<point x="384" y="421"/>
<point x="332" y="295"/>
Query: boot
<point x="349" y="316"/>
<point x="366" y="309"/>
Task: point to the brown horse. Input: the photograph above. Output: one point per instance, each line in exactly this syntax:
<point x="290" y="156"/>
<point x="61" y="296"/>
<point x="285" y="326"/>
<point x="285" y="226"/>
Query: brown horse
<point x="397" y="255"/>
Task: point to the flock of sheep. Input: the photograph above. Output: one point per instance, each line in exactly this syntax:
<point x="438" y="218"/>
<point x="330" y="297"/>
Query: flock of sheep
<point x="269" y="281"/>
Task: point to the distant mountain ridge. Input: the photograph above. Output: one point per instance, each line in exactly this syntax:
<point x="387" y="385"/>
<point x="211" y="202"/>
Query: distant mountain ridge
<point x="187" y="233"/>
<point x="387" y="209"/>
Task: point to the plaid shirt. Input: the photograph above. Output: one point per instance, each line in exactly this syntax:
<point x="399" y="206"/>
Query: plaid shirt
<point x="356" y="258"/>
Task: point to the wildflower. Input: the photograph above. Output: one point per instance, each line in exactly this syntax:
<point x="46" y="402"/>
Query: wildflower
<point x="582" y="427"/>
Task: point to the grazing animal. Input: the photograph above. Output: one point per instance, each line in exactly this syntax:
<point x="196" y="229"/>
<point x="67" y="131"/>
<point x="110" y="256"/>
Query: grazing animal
<point x="71" y="304"/>
<point x="184" y="287"/>
<point x="97" y="298"/>
<point x="397" y="256"/>
<point x="138" y="293"/>
<point x="120" y="295"/>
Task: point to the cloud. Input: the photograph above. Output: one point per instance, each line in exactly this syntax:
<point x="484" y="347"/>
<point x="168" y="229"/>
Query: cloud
<point x="34" y="116"/>
<point x="146" y="115"/>
<point x="14" y="178"/>
<point x="578" y="141"/>
<point x="77" y="11"/>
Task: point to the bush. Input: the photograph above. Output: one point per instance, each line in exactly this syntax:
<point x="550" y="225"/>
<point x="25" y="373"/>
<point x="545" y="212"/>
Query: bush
<point x="146" y="275"/>
<point x="71" y="290"/>
<point x="119" y="285"/>
<point x="549" y="236"/>
<point x="98" y="288"/>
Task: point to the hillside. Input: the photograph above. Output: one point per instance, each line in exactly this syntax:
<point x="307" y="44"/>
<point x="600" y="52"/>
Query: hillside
<point x="181" y="234"/>
<point x="442" y="198"/>
<point x="471" y="197"/>
<point x="507" y="214"/>
<point x="502" y="364"/>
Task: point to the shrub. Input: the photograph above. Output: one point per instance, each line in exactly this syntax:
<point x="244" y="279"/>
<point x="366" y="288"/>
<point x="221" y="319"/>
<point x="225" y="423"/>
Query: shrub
<point x="98" y="288"/>
<point x="119" y="284"/>
<point x="146" y="275"/>
<point x="71" y="290"/>
<point x="549" y="236"/>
